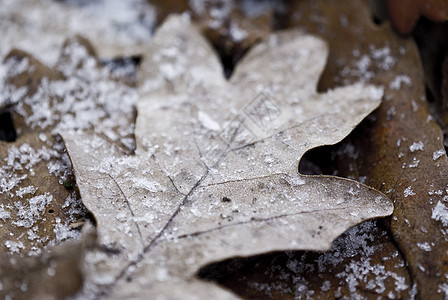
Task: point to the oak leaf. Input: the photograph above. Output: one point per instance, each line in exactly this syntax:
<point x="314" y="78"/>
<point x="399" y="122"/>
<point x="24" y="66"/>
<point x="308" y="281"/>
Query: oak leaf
<point x="214" y="175"/>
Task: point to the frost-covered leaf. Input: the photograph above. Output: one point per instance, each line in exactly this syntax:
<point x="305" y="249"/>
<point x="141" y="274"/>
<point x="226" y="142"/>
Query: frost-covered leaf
<point x="40" y="27"/>
<point x="215" y="171"/>
<point x="231" y="26"/>
<point x="35" y="207"/>
<point x="400" y="149"/>
<point x="38" y="202"/>
<point x="77" y="93"/>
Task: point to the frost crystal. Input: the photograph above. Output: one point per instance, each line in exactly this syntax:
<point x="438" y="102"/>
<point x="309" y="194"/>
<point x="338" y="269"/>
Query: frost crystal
<point x="437" y="154"/>
<point x="14" y="247"/>
<point x="113" y="24"/>
<point x="440" y="213"/>
<point x="399" y="80"/>
<point x="414" y="163"/>
<point x="424" y="246"/>
<point x="408" y="192"/>
<point x="4" y="214"/>
<point x="416" y="146"/>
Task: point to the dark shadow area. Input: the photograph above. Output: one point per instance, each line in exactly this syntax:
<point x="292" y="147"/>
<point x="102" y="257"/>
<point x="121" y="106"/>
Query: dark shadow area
<point x="432" y="41"/>
<point x="229" y="59"/>
<point x="7" y="130"/>
<point x="123" y="68"/>
<point x="319" y="161"/>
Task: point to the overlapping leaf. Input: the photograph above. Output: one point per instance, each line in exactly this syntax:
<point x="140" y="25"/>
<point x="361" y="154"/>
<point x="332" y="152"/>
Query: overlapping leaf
<point x="215" y="170"/>
<point x="400" y="150"/>
<point x="38" y="202"/>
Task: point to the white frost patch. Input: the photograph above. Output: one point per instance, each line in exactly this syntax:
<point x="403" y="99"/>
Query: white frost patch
<point x="115" y="26"/>
<point x="416" y="146"/>
<point x="208" y="122"/>
<point x="424" y="246"/>
<point x="4" y="214"/>
<point x="443" y="288"/>
<point x="29" y="213"/>
<point x="237" y="33"/>
<point x="14" y="247"/>
<point x="26" y="190"/>
<point x="398" y="81"/>
<point x="440" y="213"/>
<point x="383" y="57"/>
<point x="86" y="99"/>
<point x="408" y="192"/>
<point x="437" y="154"/>
<point x="326" y="285"/>
<point x="414" y="163"/>
<point x="64" y="232"/>
<point x="376" y="93"/>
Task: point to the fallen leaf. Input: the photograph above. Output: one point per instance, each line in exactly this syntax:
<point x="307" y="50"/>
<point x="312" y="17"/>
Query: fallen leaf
<point x="55" y="274"/>
<point x="404" y="14"/>
<point x="432" y="41"/>
<point x="36" y="210"/>
<point x="445" y="79"/>
<point x="399" y="150"/>
<point x="39" y="205"/>
<point x="361" y="264"/>
<point x="230" y="28"/>
<point x="116" y="28"/>
<point x="76" y="93"/>
<point x="215" y="170"/>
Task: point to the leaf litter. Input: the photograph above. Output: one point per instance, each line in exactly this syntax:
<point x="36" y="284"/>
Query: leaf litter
<point x="215" y="171"/>
<point x="39" y="203"/>
<point x="400" y="147"/>
<point x="116" y="28"/>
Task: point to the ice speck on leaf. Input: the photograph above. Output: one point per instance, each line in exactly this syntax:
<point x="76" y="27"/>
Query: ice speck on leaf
<point x="408" y="192"/>
<point x="416" y="146"/>
<point x="225" y="193"/>
<point x="424" y="246"/>
<point x="36" y="191"/>
<point x="414" y="163"/>
<point x="398" y="81"/>
<point x="437" y="154"/>
<point x="14" y="247"/>
<point x="440" y="213"/>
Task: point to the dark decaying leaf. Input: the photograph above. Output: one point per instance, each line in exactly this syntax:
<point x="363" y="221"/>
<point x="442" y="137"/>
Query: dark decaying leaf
<point x="39" y="203"/>
<point x="432" y="40"/>
<point x="36" y="209"/>
<point x="400" y="149"/>
<point x="405" y="14"/>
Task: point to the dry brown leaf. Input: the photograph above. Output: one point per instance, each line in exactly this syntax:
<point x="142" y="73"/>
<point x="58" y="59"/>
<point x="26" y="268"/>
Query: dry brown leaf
<point x="215" y="170"/>
<point x="404" y="14"/>
<point x="35" y="207"/>
<point x="56" y="274"/>
<point x="39" y="204"/>
<point x="400" y="149"/>
<point x="432" y="40"/>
